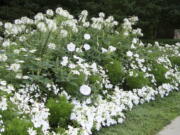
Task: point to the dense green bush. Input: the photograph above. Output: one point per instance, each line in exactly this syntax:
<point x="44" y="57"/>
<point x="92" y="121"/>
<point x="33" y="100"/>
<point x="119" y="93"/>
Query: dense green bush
<point x="159" y="71"/>
<point x="115" y="71"/>
<point x="136" y="80"/>
<point x="175" y="60"/>
<point x="60" y="111"/>
<point x="17" y="126"/>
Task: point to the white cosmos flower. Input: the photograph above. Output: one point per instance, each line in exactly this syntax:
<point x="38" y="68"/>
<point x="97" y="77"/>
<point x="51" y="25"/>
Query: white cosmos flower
<point x="85" y="90"/>
<point x="51" y="46"/>
<point x="50" y="12"/>
<point x="129" y="54"/>
<point x="87" y="36"/>
<point x="71" y="47"/>
<point x="101" y="14"/>
<point x="42" y="27"/>
<point x="87" y="47"/>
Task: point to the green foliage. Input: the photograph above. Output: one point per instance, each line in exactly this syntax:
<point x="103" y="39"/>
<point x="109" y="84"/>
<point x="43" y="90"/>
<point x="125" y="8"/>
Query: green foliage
<point x="159" y="71"/>
<point x="15" y="123"/>
<point x="73" y="83"/>
<point x="138" y="80"/>
<point x="60" y="110"/>
<point x="175" y="60"/>
<point x="115" y="71"/>
<point x="17" y="126"/>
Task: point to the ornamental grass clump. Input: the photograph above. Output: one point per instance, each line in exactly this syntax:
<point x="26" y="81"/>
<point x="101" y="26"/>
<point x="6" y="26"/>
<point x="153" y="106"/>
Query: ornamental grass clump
<point x="73" y="76"/>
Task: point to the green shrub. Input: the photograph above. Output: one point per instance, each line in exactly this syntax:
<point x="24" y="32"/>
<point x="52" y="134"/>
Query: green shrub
<point x="115" y="71"/>
<point x="175" y="60"/>
<point x="159" y="71"/>
<point x="60" y="110"/>
<point x="73" y="83"/>
<point x="17" y="126"/>
<point x="138" y="80"/>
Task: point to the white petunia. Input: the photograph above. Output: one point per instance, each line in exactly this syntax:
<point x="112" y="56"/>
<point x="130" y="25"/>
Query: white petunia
<point x="71" y="47"/>
<point x="87" y="36"/>
<point x="86" y="47"/>
<point x="85" y="90"/>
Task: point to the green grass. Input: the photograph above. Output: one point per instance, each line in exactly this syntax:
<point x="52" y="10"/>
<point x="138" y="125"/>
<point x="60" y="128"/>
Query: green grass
<point x="147" y="119"/>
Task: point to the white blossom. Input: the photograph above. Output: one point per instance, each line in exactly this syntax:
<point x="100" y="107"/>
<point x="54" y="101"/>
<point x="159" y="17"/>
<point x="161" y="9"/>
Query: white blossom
<point x="85" y="90"/>
<point x="86" y="47"/>
<point x="87" y="36"/>
<point x="52" y="46"/>
<point x="71" y="47"/>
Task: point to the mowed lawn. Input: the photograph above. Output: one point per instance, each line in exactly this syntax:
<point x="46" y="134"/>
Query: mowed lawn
<point x="147" y="119"/>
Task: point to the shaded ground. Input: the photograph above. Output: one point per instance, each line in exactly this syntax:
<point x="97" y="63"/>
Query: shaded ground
<point x="147" y="119"/>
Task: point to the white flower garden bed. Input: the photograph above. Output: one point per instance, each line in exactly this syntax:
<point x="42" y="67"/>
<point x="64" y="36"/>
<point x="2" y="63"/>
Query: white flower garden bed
<point x="65" y="76"/>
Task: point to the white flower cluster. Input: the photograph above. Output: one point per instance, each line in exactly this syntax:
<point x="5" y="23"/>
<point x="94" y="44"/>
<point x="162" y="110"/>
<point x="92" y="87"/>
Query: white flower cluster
<point x="37" y="111"/>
